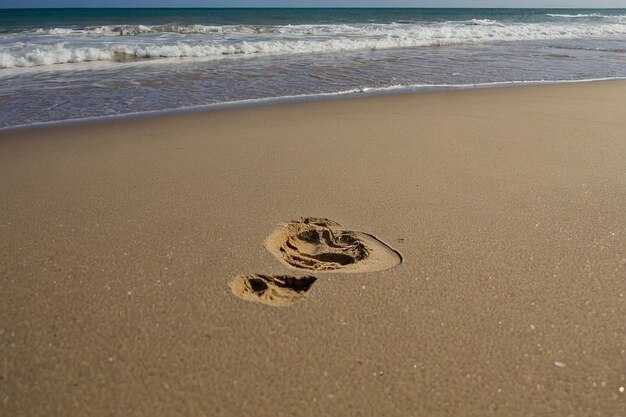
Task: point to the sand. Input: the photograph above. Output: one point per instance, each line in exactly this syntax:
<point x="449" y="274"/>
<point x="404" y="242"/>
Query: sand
<point x="272" y="290"/>
<point x="120" y="240"/>
<point x="323" y="245"/>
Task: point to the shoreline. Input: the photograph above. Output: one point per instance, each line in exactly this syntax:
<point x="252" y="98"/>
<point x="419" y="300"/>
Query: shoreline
<point x="494" y="224"/>
<point x="307" y="98"/>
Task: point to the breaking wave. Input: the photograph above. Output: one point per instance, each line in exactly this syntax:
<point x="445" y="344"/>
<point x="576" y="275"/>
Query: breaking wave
<point x="137" y="42"/>
<point x="614" y="18"/>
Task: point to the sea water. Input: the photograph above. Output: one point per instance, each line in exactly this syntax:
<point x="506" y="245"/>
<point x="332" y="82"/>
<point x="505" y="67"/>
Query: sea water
<point x="60" y="64"/>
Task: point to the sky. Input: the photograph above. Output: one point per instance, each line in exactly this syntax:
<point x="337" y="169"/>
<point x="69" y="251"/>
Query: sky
<point x="312" y="3"/>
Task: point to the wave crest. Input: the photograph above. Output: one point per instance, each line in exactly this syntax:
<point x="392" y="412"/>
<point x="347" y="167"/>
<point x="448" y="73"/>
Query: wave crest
<point x="252" y="40"/>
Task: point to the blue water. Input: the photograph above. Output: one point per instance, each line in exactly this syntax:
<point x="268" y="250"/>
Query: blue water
<point x="19" y="19"/>
<point x="58" y="64"/>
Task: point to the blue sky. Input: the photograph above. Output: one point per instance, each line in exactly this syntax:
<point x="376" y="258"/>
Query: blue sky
<point x="312" y="3"/>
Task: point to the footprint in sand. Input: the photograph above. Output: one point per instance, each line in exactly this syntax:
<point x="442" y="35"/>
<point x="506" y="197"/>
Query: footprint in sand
<point x="324" y="246"/>
<point x="274" y="290"/>
<point x="318" y="245"/>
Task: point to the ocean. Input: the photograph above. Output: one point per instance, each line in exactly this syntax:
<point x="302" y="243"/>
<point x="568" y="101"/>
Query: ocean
<point x="63" y="64"/>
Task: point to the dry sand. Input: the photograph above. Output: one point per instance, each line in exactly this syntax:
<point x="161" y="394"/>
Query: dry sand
<point x="120" y="239"/>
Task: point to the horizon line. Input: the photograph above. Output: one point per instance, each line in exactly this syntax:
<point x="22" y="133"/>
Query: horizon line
<point x="325" y="7"/>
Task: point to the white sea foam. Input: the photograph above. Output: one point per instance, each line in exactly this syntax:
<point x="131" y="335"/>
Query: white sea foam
<point x="574" y="15"/>
<point x="52" y="55"/>
<point x="481" y="22"/>
<point x="613" y="18"/>
<point x="58" y="46"/>
<point x="132" y="30"/>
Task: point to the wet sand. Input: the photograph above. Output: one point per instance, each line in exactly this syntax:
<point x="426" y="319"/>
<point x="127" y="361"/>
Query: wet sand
<point x="120" y="240"/>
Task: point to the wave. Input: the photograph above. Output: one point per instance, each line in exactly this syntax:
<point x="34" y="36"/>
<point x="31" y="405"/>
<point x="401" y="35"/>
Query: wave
<point x="319" y="29"/>
<point x="175" y="28"/>
<point x="576" y="15"/>
<point x="481" y="22"/>
<point x="616" y="18"/>
<point x="133" y="30"/>
<point x="297" y="39"/>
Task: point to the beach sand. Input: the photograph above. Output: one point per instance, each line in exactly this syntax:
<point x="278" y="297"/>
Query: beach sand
<point x="120" y="241"/>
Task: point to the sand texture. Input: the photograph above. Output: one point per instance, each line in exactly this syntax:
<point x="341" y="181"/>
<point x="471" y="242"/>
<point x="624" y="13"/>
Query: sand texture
<point x="131" y="249"/>
<point x="273" y="290"/>
<point x="322" y="245"/>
